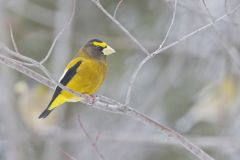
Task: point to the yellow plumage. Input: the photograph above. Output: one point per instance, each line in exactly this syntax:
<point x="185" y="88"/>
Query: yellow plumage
<point x="89" y="77"/>
<point x="84" y="74"/>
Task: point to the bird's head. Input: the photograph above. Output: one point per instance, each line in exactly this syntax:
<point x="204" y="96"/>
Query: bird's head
<point x="98" y="49"/>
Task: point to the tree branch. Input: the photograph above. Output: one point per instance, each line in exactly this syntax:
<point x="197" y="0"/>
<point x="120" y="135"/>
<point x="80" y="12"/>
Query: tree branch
<point x="98" y="4"/>
<point x="170" y="26"/>
<point x="109" y="105"/>
<point x="161" y="50"/>
<point x="229" y="14"/>
<point x="116" y="9"/>
<point x="59" y="34"/>
<point x="226" y="45"/>
<point x="129" y="91"/>
<point x="94" y="145"/>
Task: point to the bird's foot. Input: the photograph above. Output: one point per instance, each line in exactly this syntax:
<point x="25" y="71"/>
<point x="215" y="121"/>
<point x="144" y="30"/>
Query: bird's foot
<point x="90" y="99"/>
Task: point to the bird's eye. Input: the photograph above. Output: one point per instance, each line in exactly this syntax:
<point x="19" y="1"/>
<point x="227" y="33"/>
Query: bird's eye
<point x="99" y="48"/>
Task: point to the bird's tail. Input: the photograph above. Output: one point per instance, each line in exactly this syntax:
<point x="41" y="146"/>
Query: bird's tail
<point x="45" y="113"/>
<point x="55" y="102"/>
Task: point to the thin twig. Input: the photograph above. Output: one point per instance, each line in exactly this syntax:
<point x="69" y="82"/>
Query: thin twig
<point x="153" y="54"/>
<point x="168" y="132"/>
<point x="170" y="26"/>
<point x="12" y="63"/>
<point x="97" y="137"/>
<point x="28" y="72"/>
<point x="12" y="38"/>
<point x="116" y="107"/>
<point x="29" y="62"/>
<point x="228" y="47"/>
<point x="105" y="104"/>
<point x="128" y="95"/>
<point x="59" y="34"/>
<point x="98" y="4"/>
<point x="227" y="12"/>
<point x="32" y="62"/>
<point x="86" y="99"/>
<point x="116" y="9"/>
<point x="94" y="145"/>
<point x="68" y="155"/>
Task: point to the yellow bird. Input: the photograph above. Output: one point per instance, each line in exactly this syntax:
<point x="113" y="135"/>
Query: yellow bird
<point x="84" y="74"/>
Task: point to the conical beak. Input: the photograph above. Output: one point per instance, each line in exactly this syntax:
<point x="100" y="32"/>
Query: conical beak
<point x="108" y="50"/>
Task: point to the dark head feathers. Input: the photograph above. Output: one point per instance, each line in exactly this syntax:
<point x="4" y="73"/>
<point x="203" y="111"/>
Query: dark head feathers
<point x="94" y="40"/>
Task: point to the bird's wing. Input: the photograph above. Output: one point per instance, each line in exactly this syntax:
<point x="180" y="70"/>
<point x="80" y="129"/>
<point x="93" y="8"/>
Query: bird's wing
<point x="67" y="76"/>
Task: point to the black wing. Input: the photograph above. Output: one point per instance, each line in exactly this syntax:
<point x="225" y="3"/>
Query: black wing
<point x="64" y="81"/>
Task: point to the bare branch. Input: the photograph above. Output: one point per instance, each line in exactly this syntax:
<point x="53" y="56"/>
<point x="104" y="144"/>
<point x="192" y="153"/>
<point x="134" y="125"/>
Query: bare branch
<point x="135" y="137"/>
<point x="59" y="34"/>
<point x="116" y="9"/>
<point x="227" y="12"/>
<point x="94" y="145"/>
<point x="170" y="26"/>
<point x="168" y="132"/>
<point x="30" y="62"/>
<point x="97" y="137"/>
<point x="98" y="4"/>
<point x="128" y="95"/>
<point x="68" y="155"/>
<point x="110" y="105"/>
<point x="12" y="39"/>
<point x="28" y="72"/>
<point x="87" y="99"/>
<point x="229" y="48"/>
<point x="161" y="50"/>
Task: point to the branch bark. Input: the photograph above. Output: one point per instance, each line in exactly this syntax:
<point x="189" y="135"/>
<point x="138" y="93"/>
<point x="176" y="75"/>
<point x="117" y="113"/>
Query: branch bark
<point x="109" y="105"/>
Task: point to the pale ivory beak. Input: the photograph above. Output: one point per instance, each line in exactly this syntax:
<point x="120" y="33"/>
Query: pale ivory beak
<point x="108" y="50"/>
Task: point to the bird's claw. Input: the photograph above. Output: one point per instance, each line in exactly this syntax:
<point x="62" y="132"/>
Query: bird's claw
<point x="90" y="99"/>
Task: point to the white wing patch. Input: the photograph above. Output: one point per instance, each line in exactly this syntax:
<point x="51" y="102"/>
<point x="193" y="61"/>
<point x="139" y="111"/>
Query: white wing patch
<point x="62" y="75"/>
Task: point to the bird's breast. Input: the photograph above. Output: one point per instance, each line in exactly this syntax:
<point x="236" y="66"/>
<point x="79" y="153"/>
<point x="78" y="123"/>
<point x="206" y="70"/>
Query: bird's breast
<point x="89" y="77"/>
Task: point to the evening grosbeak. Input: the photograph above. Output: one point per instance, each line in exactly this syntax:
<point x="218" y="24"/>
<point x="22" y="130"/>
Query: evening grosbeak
<point x="84" y="74"/>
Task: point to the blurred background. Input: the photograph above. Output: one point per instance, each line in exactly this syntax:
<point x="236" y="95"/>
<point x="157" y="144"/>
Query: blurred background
<point x="192" y="87"/>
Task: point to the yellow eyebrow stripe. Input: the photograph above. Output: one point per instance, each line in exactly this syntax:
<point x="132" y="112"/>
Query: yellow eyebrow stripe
<point x="101" y="44"/>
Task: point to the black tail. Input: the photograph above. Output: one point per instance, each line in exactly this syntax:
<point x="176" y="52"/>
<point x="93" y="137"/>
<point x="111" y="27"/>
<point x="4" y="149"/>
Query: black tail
<point x="45" y="113"/>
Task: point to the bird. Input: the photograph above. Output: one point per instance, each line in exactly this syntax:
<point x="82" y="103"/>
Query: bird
<point x="84" y="74"/>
